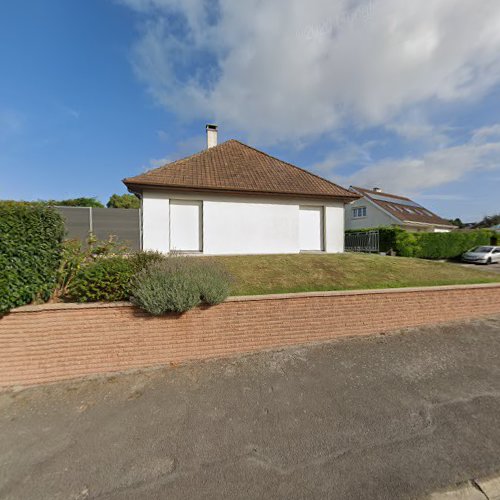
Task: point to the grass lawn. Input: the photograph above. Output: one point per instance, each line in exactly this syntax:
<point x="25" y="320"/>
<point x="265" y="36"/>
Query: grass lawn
<point x="262" y="274"/>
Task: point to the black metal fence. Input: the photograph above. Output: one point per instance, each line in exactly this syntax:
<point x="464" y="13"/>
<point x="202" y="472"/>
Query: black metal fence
<point x="124" y="223"/>
<point x="366" y="241"/>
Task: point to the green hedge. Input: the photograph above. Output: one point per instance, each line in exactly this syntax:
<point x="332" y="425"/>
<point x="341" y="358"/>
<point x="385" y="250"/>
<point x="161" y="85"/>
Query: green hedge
<point x="30" y="250"/>
<point x="429" y="245"/>
<point x="440" y="245"/>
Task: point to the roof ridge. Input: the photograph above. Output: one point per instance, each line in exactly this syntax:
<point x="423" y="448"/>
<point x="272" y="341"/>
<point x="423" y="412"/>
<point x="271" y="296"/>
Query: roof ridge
<point x="291" y="165"/>
<point x="371" y="191"/>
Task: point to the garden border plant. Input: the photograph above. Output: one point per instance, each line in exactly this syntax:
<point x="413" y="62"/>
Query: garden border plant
<point x="178" y="283"/>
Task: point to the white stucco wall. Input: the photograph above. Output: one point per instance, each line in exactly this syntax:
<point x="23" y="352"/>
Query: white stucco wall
<point x="241" y="225"/>
<point x="155" y="222"/>
<point x="375" y="217"/>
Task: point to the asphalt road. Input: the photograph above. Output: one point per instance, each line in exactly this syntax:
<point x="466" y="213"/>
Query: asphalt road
<point x="394" y="416"/>
<point x="492" y="268"/>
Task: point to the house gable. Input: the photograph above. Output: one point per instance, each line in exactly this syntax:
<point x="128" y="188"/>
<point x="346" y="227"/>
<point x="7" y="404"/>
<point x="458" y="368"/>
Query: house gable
<point x="402" y="210"/>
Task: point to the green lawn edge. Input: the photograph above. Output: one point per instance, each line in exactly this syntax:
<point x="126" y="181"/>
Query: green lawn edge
<point x="275" y="274"/>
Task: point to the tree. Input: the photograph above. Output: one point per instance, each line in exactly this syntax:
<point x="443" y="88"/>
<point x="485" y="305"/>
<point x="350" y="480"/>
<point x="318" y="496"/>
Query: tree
<point x="123" y="201"/>
<point x="489" y="221"/>
<point x="78" y="202"/>
<point x="457" y="222"/>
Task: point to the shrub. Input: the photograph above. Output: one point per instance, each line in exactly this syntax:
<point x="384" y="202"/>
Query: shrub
<point x="177" y="284"/>
<point x="30" y="250"/>
<point x="105" y="279"/>
<point x="141" y="260"/>
<point x="214" y="282"/>
<point x="76" y="254"/>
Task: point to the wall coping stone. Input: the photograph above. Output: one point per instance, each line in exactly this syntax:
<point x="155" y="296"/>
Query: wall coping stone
<point x="275" y="296"/>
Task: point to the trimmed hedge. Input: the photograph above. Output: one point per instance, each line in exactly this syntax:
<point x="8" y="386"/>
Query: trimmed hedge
<point x="429" y="245"/>
<point x="441" y="245"/>
<point x="30" y="251"/>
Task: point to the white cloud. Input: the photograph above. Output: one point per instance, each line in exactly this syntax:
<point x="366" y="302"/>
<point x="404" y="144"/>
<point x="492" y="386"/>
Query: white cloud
<point x="289" y="71"/>
<point x="412" y="175"/>
<point x="348" y="153"/>
<point x="155" y="163"/>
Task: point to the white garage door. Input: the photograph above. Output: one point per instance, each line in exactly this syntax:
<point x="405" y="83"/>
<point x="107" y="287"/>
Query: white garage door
<point x="185" y="226"/>
<point x="311" y="228"/>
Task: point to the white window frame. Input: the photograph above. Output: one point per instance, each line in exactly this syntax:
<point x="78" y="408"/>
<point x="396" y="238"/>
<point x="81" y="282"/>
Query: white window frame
<point x="358" y="210"/>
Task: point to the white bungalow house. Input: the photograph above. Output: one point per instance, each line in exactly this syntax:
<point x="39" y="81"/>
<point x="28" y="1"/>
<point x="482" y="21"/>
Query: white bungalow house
<point x="375" y="208"/>
<point x="233" y="199"/>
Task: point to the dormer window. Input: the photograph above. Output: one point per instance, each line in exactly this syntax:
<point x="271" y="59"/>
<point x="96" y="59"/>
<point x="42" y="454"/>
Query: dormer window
<point x="358" y="212"/>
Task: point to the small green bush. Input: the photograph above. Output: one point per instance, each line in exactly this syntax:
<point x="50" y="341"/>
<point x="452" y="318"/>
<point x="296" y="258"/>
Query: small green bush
<point x="214" y="282"/>
<point x="106" y="279"/>
<point x="141" y="260"/>
<point x="30" y="250"/>
<point x="177" y="284"/>
<point x="75" y="255"/>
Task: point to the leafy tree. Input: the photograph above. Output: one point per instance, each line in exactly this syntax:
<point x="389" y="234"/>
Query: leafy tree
<point x="457" y="222"/>
<point x="72" y="202"/>
<point x="123" y="201"/>
<point x="78" y="202"/>
<point x="489" y="221"/>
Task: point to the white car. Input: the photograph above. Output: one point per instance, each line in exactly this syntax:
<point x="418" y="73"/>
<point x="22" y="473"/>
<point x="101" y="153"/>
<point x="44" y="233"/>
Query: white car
<point x="482" y="255"/>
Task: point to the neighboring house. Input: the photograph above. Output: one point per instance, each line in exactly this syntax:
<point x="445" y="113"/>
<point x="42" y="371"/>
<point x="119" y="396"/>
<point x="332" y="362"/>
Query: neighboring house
<point x="376" y="209"/>
<point x="234" y="199"/>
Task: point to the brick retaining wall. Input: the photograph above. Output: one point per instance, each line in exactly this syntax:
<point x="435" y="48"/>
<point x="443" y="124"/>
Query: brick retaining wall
<point x="40" y="344"/>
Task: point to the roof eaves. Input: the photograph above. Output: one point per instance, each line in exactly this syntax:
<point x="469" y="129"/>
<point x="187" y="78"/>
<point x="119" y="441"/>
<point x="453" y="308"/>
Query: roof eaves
<point x="131" y="185"/>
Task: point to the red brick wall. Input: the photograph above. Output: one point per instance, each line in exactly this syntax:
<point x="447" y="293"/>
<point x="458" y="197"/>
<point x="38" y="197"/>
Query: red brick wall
<point x="54" y="342"/>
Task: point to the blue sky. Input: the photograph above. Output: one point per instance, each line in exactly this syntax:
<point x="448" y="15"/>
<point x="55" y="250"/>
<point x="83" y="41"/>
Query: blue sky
<point x="400" y="95"/>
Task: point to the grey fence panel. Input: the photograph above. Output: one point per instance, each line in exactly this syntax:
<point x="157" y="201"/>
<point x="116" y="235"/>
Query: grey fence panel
<point x="124" y="223"/>
<point x="76" y="220"/>
<point x="365" y="241"/>
<point x="103" y="222"/>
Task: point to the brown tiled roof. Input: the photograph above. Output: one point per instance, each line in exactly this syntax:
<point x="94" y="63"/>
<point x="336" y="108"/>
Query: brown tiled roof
<point x="405" y="212"/>
<point x="235" y="167"/>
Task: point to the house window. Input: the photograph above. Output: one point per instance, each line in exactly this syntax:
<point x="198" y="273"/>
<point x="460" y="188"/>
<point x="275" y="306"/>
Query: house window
<point x="359" y="212"/>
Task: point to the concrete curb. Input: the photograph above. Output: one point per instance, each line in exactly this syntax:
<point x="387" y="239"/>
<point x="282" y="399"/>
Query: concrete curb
<point x="490" y="486"/>
<point x="487" y="488"/>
